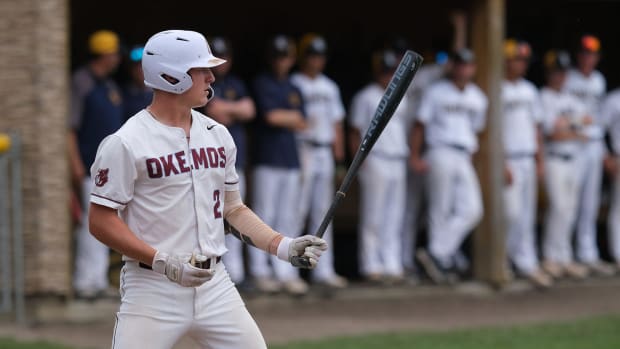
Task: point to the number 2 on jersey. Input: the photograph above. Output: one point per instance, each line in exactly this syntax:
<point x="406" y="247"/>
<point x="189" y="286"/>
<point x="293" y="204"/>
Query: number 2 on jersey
<point x="216" y="207"/>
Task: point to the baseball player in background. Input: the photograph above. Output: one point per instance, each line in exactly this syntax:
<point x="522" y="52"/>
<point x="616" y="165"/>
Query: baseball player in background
<point x="277" y="178"/>
<point x="611" y="115"/>
<point x="164" y="184"/>
<point x="382" y="177"/>
<point x="319" y="146"/>
<point x="96" y="112"/>
<point x="451" y="114"/>
<point x="522" y="140"/>
<point x="136" y="95"/>
<point x="562" y="118"/>
<point x="588" y="85"/>
<point x="233" y="107"/>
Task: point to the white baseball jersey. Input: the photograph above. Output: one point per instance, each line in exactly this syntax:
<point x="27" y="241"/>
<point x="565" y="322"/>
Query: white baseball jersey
<point x="169" y="190"/>
<point x="425" y="77"/>
<point x="323" y="107"/>
<point x="557" y="104"/>
<point x="521" y="115"/>
<point x="590" y="91"/>
<point x="452" y="116"/>
<point x="610" y="113"/>
<point x="393" y="140"/>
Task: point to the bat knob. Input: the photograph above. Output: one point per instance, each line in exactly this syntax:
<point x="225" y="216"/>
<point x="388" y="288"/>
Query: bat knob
<point x="301" y="262"/>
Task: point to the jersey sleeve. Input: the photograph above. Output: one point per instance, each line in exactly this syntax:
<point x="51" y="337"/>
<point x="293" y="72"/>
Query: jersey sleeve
<point x="114" y="174"/>
<point x="426" y="108"/>
<point x="537" y="111"/>
<point x="359" y="112"/>
<point x="548" y="119"/>
<point x="265" y="96"/>
<point x="337" y="108"/>
<point x="231" y="180"/>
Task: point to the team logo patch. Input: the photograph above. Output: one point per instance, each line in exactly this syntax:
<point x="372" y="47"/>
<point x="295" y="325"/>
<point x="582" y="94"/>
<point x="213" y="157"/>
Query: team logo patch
<point x="102" y="177"/>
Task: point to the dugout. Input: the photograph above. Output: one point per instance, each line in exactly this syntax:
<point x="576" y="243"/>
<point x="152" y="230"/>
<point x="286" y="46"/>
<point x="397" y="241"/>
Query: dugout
<point x="44" y="39"/>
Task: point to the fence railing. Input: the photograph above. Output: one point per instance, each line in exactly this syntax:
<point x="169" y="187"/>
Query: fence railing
<point x="11" y="236"/>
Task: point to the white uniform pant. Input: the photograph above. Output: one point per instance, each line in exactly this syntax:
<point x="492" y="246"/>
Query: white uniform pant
<point x="276" y="201"/>
<point x="591" y="172"/>
<point x="156" y="312"/>
<point x="613" y="220"/>
<point x="411" y="221"/>
<point x="317" y="192"/>
<point x="92" y="258"/>
<point x="561" y="182"/>
<point x="234" y="257"/>
<point x="383" y="184"/>
<point x="520" y="206"/>
<point x="455" y="202"/>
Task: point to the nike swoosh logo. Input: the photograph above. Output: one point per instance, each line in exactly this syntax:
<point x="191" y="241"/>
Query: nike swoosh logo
<point x="210" y="127"/>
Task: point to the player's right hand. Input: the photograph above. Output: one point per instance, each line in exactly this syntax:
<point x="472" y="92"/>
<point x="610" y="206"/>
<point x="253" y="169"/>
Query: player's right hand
<point x="179" y="269"/>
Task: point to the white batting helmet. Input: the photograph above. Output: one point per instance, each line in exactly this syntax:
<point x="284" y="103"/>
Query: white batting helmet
<point x="174" y="53"/>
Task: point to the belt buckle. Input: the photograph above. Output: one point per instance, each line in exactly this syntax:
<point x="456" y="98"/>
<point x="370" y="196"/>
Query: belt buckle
<point x="211" y="261"/>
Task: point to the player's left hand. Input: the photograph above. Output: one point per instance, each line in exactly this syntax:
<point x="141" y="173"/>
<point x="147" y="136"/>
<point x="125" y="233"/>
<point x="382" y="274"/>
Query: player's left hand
<point x="308" y="246"/>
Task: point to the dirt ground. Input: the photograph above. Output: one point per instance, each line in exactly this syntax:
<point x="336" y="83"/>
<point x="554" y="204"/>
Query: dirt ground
<point x="360" y="309"/>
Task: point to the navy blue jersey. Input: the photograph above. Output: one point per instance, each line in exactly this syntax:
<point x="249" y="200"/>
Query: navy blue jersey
<point x="275" y="146"/>
<point x="135" y="99"/>
<point x="96" y="112"/>
<point x="231" y="88"/>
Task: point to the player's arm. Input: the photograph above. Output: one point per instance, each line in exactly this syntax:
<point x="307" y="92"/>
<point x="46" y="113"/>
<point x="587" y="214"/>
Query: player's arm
<point x="539" y="156"/>
<point x="107" y="227"/>
<point x="338" y="145"/>
<point x="75" y="161"/>
<point x="416" y="143"/>
<point x="226" y="112"/>
<point x="253" y="231"/>
<point x="286" y="118"/>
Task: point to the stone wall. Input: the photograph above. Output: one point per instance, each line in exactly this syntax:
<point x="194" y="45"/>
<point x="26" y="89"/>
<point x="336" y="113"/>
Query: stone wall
<point x="34" y="73"/>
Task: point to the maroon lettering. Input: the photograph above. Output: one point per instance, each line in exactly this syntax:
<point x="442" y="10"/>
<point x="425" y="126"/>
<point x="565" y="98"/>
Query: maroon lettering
<point x="213" y="158"/>
<point x="153" y="167"/>
<point x="222" y="153"/>
<point x="200" y="158"/>
<point x="168" y="165"/>
<point x="181" y="160"/>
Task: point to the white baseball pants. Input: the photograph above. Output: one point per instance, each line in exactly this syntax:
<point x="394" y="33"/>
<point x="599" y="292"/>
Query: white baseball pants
<point x="520" y="206"/>
<point x="156" y="312"/>
<point x="92" y="258"/>
<point x="591" y="175"/>
<point x="411" y="221"/>
<point x="317" y="192"/>
<point x="561" y="182"/>
<point x="276" y="202"/>
<point x="455" y="202"/>
<point x="383" y="184"/>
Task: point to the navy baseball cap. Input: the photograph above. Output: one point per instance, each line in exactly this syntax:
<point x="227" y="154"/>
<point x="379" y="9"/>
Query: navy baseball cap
<point x="463" y="55"/>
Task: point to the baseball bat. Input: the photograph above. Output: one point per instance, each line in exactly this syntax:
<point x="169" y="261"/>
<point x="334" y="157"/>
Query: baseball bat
<point x="392" y="96"/>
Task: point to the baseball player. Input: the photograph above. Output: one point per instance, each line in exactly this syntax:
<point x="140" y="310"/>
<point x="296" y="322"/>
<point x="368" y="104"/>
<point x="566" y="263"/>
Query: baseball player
<point x="562" y="115"/>
<point x="382" y="177"/>
<point x="319" y="145"/>
<point x="232" y="107"/>
<point x="164" y="184"/>
<point x="611" y="115"/>
<point x="277" y="178"/>
<point x="96" y="112"/>
<point x="450" y="115"/>
<point x="588" y="85"/>
<point x="522" y="140"/>
<point x="136" y="95"/>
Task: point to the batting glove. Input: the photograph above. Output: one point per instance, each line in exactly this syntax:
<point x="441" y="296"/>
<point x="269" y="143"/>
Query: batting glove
<point x="179" y="269"/>
<point x="307" y="246"/>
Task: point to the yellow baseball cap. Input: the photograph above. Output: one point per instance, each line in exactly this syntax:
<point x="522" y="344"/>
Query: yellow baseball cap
<point x="103" y="42"/>
<point x="517" y="49"/>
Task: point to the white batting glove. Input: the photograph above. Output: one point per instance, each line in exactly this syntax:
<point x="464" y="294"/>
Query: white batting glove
<point x="308" y="246"/>
<point x="179" y="269"/>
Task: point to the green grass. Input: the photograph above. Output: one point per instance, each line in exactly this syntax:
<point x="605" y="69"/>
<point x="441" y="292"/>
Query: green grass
<point x="12" y="344"/>
<point x="596" y="333"/>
